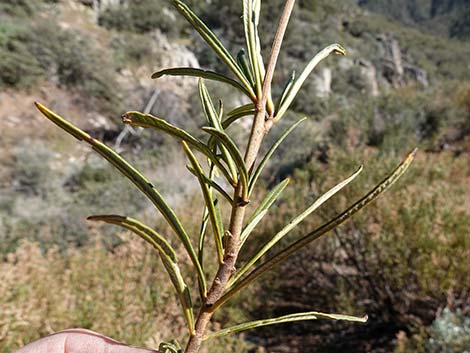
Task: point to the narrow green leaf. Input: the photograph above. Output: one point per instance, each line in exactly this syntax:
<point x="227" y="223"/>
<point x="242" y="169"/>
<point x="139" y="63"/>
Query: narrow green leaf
<point x="167" y="255"/>
<point x="216" y="222"/>
<point x="245" y="67"/>
<point x="214" y="42"/>
<point x="310" y="315"/>
<point x="202" y="235"/>
<point x="212" y="143"/>
<point x="149" y="121"/>
<point x="286" y="90"/>
<point x="213" y="118"/>
<point x="214" y="185"/>
<point x="210" y="75"/>
<point x="242" y="109"/>
<point x="221" y="111"/>
<point x="140" y="181"/>
<point x="268" y="155"/>
<point x="232" y="148"/>
<point x="263" y="207"/>
<point x="251" y="226"/>
<point x="145" y="232"/>
<point x="205" y="218"/>
<point x="334" y="48"/>
<point x="317" y="233"/>
<point x="292" y="224"/>
<point x="251" y="35"/>
<point x="240" y="112"/>
<point x="231" y="119"/>
<point x="270" y="198"/>
<point x="256" y="17"/>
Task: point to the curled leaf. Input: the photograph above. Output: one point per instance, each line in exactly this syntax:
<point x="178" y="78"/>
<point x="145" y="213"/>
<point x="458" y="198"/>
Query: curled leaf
<point x="310" y="315"/>
<point x="210" y="75"/>
<point x="150" y="121"/>
<point x="295" y="88"/>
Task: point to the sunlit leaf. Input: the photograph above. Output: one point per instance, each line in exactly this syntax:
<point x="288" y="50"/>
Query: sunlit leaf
<point x="251" y="226"/>
<point x="294" y="223"/>
<point x="244" y="108"/>
<point x="263" y="207"/>
<point x="252" y="41"/>
<point x="240" y="112"/>
<point x="286" y="90"/>
<point x="268" y="155"/>
<point x="142" y="183"/>
<point x="202" y="235"/>
<point x="214" y="217"/>
<point x="310" y="315"/>
<point x="334" y="48"/>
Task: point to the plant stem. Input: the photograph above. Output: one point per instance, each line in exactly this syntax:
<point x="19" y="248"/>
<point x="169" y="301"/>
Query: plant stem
<point x="260" y="128"/>
<point x="276" y="48"/>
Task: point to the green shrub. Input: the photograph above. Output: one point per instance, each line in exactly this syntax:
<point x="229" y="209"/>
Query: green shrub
<point x="450" y="333"/>
<point x="140" y="16"/>
<point x="32" y="168"/>
<point x="74" y="63"/>
<point x="18" y="68"/>
<point x="22" y="8"/>
<point x="18" y="7"/>
<point x="42" y="49"/>
<point x="131" y="49"/>
<point x="460" y="27"/>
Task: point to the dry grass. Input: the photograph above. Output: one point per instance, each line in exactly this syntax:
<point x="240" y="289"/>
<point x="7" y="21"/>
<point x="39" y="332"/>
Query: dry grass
<point x="123" y="293"/>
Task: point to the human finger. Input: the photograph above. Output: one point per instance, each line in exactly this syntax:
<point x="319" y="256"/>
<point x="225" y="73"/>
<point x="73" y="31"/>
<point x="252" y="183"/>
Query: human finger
<point x="79" y="341"/>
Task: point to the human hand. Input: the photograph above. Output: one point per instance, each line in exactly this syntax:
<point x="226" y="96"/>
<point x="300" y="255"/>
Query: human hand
<point x="79" y="341"/>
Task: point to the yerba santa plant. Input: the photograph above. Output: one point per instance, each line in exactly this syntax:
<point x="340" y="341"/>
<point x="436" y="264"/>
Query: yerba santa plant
<point x="218" y="158"/>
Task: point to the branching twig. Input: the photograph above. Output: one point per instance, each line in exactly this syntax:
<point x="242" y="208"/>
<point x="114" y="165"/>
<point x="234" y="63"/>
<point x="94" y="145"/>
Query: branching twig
<point x="232" y="236"/>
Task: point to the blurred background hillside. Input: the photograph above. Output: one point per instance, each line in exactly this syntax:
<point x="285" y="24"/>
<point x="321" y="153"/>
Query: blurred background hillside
<point x="404" y="83"/>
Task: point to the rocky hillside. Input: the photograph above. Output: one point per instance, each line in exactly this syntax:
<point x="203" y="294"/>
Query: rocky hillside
<point x="440" y="17"/>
